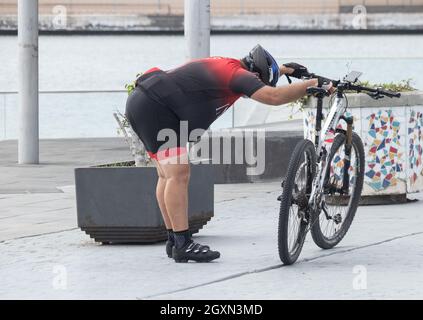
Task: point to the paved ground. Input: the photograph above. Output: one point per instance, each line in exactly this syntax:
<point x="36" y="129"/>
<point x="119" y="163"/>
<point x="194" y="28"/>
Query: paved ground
<point x="58" y="158"/>
<point x="43" y="255"/>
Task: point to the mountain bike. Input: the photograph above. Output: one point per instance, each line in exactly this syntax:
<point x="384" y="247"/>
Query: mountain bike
<point x="323" y="184"/>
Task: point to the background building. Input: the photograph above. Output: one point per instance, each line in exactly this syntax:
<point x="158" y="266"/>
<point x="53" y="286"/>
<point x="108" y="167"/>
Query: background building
<point x="219" y="7"/>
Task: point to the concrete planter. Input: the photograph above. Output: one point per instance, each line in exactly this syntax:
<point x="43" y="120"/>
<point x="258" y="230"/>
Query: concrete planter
<point x="392" y="133"/>
<point x="118" y="204"/>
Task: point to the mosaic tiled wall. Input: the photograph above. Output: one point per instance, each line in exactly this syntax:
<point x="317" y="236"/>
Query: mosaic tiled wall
<point x="309" y="121"/>
<point x="415" y="149"/>
<point x="384" y="148"/>
<point x="337" y="168"/>
<point x="309" y="124"/>
<point x="393" y="142"/>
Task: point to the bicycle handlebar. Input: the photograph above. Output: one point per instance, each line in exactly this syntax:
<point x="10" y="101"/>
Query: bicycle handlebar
<point x="324" y="79"/>
<point x="375" y="93"/>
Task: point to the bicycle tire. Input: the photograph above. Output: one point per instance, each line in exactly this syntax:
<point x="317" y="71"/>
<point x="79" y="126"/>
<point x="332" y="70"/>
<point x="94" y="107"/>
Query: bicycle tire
<point x="316" y="231"/>
<point x="304" y="148"/>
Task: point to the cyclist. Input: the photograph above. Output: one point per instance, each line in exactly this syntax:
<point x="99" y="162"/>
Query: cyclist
<point x="198" y="92"/>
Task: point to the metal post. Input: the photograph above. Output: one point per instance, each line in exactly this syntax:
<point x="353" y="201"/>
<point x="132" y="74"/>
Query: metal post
<point x="197" y="28"/>
<point x="28" y="144"/>
<point x="4" y="117"/>
<point x="233" y="116"/>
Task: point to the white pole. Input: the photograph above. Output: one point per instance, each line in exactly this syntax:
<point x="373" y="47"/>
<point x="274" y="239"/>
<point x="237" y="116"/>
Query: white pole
<point x="197" y="28"/>
<point x="28" y="144"/>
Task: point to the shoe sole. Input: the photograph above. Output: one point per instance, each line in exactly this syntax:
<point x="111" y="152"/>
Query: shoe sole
<point x="184" y="260"/>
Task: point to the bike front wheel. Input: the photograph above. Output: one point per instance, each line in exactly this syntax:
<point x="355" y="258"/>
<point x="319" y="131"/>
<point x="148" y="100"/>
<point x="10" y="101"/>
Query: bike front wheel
<point x="294" y="213"/>
<point x="339" y="207"/>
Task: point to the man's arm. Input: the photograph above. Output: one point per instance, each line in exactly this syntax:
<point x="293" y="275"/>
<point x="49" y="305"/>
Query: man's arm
<point x="276" y="96"/>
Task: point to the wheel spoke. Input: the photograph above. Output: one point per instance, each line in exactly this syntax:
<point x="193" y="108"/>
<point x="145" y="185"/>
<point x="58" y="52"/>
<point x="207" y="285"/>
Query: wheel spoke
<point x="338" y="206"/>
<point x="293" y="215"/>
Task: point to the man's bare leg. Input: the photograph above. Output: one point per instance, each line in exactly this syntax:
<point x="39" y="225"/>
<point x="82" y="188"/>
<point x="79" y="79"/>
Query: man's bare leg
<point x="176" y="173"/>
<point x="160" y="192"/>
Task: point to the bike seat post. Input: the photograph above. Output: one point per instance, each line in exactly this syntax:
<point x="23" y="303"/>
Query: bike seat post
<point x="319" y="111"/>
<point x="319" y="118"/>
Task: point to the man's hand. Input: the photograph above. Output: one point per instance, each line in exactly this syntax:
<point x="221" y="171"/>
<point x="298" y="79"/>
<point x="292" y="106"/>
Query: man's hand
<point x="329" y="87"/>
<point x="294" y="70"/>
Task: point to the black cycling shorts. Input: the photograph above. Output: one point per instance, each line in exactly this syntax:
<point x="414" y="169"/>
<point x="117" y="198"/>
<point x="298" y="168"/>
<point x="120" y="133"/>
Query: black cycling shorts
<point x="147" y="117"/>
<point x="162" y="132"/>
<point x="164" y="116"/>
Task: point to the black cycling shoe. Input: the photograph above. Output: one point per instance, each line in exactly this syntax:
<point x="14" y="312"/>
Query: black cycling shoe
<point x="169" y="247"/>
<point x="195" y="252"/>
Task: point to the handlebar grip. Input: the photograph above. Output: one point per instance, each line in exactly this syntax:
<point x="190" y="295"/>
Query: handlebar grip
<point x="389" y="94"/>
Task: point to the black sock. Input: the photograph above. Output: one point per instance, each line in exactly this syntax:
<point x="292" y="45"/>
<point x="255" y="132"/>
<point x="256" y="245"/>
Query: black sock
<point x="170" y="236"/>
<point x="182" y="238"/>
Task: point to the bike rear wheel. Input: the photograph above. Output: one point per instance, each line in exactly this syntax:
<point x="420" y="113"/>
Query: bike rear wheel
<point x="294" y="214"/>
<point x="334" y="220"/>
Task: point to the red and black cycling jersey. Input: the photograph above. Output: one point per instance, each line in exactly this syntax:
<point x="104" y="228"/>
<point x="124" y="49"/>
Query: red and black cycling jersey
<point x="219" y="80"/>
<point x="203" y="84"/>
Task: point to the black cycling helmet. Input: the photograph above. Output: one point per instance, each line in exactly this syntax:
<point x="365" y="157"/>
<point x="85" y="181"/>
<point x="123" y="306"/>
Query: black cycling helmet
<point x="262" y="62"/>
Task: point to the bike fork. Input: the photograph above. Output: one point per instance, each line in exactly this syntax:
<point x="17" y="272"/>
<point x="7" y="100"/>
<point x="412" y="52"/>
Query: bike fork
<point x="347" y="156"/>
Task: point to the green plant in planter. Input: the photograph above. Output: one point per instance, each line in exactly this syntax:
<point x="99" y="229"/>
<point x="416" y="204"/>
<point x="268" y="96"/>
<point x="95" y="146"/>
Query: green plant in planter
<point x="135" y="144"/>
<point x="131" y="86"/>
<point x="402" y="86"/>
<point x="298" y="106"/>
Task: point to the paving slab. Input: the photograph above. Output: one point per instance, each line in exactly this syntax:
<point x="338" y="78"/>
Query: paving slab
<point x="387" y="270"/>
<point x="58" y="158"/>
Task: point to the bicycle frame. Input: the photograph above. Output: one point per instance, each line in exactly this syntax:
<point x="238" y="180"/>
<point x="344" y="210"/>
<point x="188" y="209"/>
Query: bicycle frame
<point x="322" y="144"/>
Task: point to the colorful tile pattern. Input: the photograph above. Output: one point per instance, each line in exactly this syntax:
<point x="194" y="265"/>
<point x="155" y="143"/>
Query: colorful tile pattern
<point x="384" y="165"/>
<point x="415" y="146"/>
<point x="337" y="167"/>
<point x="309" y="124"/>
